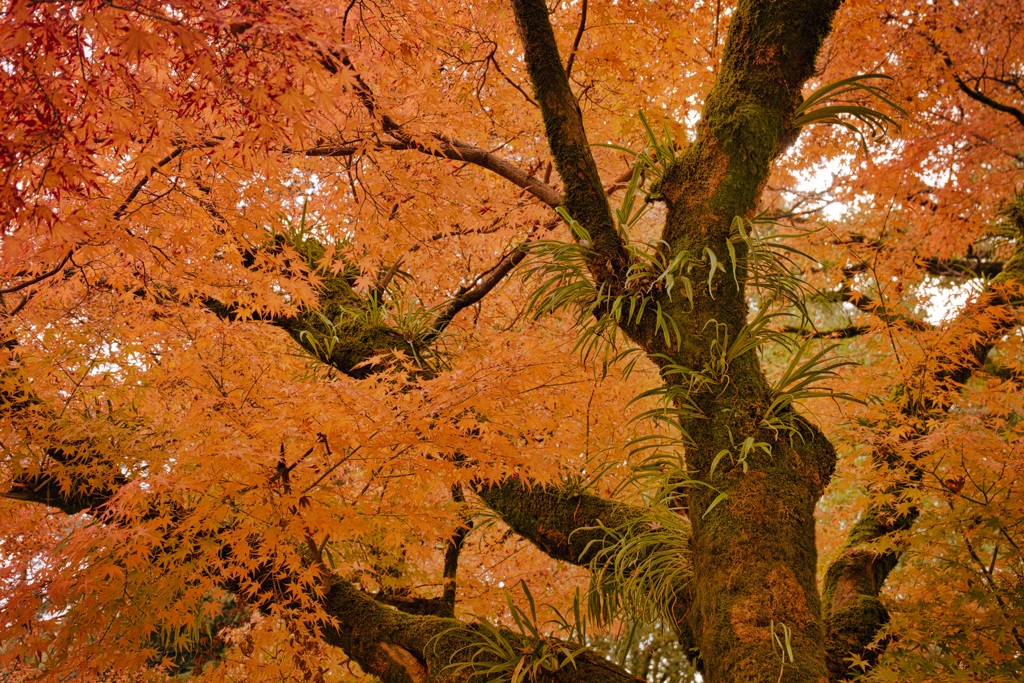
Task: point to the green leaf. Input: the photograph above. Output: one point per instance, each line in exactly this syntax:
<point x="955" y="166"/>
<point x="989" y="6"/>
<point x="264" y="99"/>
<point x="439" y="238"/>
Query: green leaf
<point x="877" y="122"/>
<point x="718" y="458"/>
<point x="718" y="499"/>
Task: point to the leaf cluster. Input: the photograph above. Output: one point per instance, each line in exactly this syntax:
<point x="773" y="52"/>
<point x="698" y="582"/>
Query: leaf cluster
<point x="492" y="654"/>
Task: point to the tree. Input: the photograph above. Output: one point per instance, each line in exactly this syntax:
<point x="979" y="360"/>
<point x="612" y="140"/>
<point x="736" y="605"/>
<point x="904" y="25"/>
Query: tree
<point x="324" y="326"/>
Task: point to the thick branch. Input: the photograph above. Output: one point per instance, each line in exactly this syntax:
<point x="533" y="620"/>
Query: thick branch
<point x="850" y="604"/>
<point x="570" y="526"/>
<point x="57" y="481"/>
<point x="561" y="524"/>
<point x="329" y="331"/>
<point x="46" y="488"/>
<point x="585" y="199"/>
<point x="403" y="648"/>
<point x="965" y="267"/>
<point x="451" y="555"/>
<point x="770" y="53"/>
<point x="399" y="647"/>
<point x="347" y="344"/>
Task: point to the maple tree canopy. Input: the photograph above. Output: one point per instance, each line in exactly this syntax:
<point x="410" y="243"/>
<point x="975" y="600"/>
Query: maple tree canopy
<point x="512" y="340"/>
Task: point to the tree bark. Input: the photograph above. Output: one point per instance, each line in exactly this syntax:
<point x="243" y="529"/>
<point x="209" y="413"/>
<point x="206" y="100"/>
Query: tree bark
<point x="404" y="648"/>
<point x="754" y="555"/>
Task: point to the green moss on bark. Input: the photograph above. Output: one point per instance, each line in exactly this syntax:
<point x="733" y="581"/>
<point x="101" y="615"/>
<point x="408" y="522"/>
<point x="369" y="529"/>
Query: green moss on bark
<point x="403" y="648"/>
<point x="344" y="330"/>
<point x="561" y="524"/>
<point x="852" y="609"/>
<point x="754" y="553"/>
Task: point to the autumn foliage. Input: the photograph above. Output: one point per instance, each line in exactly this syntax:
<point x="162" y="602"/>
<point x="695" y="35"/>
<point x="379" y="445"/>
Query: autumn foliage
<point x="398" y="341"/>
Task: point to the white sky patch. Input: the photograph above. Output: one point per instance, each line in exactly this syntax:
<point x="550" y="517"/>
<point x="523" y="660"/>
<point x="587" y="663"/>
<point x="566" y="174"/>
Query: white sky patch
<point x="945" y="300"/>
<point x="820" y="178"/>
<point x="942" y="300"/>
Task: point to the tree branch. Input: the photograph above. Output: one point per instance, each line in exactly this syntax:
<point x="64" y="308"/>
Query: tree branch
<point x="449" y="148"/>
<point x="868" y="305"/>
<point x="576" y="40"/>
<point x="119" y="212"/>
<point x="403" y="648"/>
<point x="55" y="483"/>
<point x="451" y="555"/>
<point x="979" y="96"/>
<point x="963" y="267"/>
<point x="351" y="344"/>
<point x="481" y="286"/>
<point x="847" y="332"/>
<point x="851" y="607"/>
<point x="440" y="145"/>
<point x="39" y="278"/>
<point x="570" y="526"/>
<point x="974" y="93"/>
<point x="560" y="524"/>
<point x="585" y="199"/>
<point x="47" y="488"/>
<point x="394" y="645"/>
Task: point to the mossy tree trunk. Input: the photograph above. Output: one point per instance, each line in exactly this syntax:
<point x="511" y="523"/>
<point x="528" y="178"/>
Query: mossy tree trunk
<point x="754" y="553"/>
<point x="405" y="648"/>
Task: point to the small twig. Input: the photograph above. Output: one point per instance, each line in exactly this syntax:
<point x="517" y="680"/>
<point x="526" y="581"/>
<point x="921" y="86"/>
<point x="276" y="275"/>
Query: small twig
<point x="497" y="67"/>
<point x="482" y="285"/>
<point x="338" y="464"/>
<point x="384" y="279"/>
<point x="39" y="278"/>
<point x="577" y="39"/>
<point x="144" y="180"/>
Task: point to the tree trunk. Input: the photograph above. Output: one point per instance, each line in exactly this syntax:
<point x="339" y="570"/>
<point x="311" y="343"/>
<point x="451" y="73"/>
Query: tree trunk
<point x="756" y="611"/>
